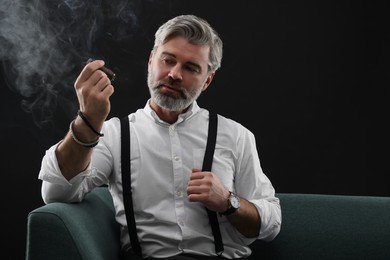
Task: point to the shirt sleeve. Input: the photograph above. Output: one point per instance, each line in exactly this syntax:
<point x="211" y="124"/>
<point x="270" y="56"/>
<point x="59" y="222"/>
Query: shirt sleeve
<point x="252" y="184"/>
<point x="56" y="188"/>
<point x="54" y="185"/>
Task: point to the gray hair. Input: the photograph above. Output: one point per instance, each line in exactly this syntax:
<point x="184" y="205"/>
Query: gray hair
<point x="196" y="31"/>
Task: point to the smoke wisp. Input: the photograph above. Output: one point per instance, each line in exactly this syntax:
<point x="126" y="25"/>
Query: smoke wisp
<point x="44" y="44"/>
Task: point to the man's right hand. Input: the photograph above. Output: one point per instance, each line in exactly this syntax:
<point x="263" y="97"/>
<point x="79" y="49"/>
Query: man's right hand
<point x="93" y="89"/>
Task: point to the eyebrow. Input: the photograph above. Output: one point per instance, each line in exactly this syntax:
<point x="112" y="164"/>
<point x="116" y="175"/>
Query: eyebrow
<point x="188" y="62"/>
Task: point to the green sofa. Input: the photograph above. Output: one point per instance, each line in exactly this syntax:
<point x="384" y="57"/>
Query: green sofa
<point x="313" y="227"/>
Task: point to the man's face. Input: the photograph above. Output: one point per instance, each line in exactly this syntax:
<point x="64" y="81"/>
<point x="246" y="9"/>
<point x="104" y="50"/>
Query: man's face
<point x="178" y="73"/>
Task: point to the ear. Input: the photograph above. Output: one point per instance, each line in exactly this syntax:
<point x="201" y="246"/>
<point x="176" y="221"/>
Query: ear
<point x="150" y="59"/>
<point x="208" y="81"/>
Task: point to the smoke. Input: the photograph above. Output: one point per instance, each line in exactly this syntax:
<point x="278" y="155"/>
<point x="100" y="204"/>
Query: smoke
<point x="44" y="44"/>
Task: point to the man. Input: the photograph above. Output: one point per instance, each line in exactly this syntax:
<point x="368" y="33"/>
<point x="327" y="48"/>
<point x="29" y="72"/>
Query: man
<point x="168" y="140"/>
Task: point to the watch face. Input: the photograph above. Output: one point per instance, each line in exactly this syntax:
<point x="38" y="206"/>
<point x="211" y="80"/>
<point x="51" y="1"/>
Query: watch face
<point x="235" y="201"/>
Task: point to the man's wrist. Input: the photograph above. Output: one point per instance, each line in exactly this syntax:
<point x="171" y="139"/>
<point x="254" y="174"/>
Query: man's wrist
<point x="78" y="141"/>
<point x="233" y="204"/>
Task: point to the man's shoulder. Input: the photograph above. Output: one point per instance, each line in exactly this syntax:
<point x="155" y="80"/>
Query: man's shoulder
<point x="230" y="125"/>
<point x="230" y="121"/>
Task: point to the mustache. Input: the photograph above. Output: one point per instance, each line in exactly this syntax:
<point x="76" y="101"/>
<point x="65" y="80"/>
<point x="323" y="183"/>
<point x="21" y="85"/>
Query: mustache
<point x="172" y="84"/>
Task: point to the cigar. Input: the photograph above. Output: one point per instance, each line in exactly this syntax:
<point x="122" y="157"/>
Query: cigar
<point x="111" y="75"/>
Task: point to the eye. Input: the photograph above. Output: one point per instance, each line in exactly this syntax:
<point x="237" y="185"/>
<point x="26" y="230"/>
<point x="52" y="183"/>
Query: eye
<point x="168" y="61"/>
<point x="191" y="68"/>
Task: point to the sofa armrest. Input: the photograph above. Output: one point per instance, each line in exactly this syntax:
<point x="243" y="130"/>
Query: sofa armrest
<point x="85" y="230"/>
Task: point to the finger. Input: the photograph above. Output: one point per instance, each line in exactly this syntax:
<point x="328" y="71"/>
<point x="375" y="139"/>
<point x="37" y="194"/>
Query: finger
<point x="98" y="77"/>
<point x="102" y="82"/>
<point x="197" y="197"/>
<point x="195" y="182"/>
<point x="196" y="174"/>
<point x="108" y="90"/>
<point x="197" y="189"/>
<point x="89" y="70"/>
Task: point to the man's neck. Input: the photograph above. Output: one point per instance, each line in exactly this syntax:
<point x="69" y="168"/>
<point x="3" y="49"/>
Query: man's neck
<point x="166" y="115"/>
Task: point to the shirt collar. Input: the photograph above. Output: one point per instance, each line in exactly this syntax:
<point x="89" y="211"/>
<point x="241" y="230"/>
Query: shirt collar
<point x="192" y="110"/>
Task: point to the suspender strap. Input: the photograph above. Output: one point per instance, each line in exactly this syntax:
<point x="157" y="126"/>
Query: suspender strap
<point x="207" y="162"/>
<point x="126" y="185"/>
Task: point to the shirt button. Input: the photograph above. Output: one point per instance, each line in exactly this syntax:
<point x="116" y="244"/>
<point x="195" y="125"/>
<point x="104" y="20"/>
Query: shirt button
<point x="178" y="193"/>
<point x="176" y="158"/>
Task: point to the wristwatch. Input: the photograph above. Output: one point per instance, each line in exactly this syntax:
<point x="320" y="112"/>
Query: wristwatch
<point x="234" y="204"/>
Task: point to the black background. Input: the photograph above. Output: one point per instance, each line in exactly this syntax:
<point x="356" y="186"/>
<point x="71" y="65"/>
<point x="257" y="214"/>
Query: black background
<point x="310" y="79"/>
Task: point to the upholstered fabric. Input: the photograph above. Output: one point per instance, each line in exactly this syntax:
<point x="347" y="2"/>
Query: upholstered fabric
<point x="86" y="230"/>
<point x="330" y="227"/>
<point x="313" y="227"/>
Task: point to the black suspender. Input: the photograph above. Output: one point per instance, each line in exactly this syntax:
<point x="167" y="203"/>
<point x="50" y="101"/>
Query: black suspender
<point x="207" y="162"/>
<point x="126" y="182"/>
<point x="126" y="185"/>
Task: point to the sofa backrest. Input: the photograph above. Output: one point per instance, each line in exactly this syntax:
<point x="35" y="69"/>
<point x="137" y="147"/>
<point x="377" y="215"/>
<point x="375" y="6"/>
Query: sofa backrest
<point x="318" y="226"/>
<point x="313" y="227"/>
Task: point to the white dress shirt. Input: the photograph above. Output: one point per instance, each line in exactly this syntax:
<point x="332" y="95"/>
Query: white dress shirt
<point x="162" y="157"/>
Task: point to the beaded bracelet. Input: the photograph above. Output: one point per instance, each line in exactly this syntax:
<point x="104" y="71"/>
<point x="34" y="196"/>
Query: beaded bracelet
<point x="88" y="123"/>
<point x="88" y="145"/>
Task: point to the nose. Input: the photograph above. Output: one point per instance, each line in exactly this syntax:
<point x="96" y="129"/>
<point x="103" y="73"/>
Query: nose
<point x="175" y="73"/>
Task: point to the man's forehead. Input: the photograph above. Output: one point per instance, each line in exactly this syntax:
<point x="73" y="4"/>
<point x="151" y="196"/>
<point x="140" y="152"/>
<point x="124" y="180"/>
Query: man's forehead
<point x="179" y="47"/>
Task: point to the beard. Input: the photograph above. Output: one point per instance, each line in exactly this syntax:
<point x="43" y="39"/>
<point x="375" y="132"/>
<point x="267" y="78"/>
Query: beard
<point x="172" y="101"/>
